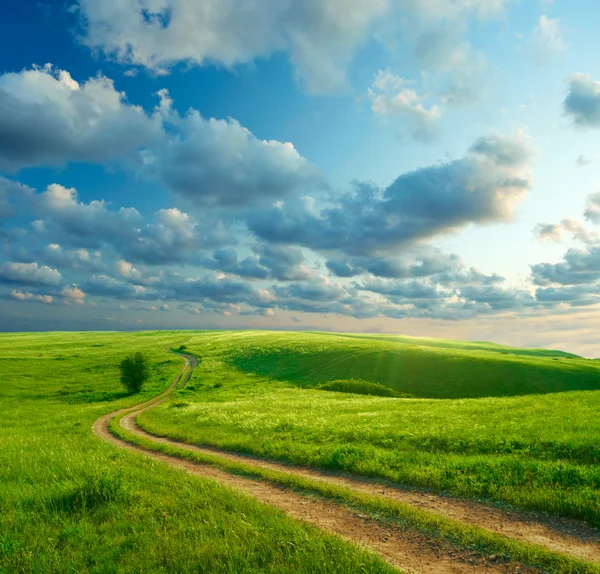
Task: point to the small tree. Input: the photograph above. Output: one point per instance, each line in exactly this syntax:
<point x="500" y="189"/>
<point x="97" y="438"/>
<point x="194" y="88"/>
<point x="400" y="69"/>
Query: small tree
<point x="135" y="371"/>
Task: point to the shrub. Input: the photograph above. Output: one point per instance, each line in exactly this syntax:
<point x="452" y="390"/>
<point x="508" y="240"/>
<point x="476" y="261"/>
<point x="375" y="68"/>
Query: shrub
<point x="360" y="387"/>
<point x="182" y="348"/>
<point x="135" y="371"/>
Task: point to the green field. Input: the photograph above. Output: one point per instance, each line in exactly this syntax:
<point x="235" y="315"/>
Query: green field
<point x="71" y="503"/>
<point x="515" y="426"/>
<point x="528" y="436"/>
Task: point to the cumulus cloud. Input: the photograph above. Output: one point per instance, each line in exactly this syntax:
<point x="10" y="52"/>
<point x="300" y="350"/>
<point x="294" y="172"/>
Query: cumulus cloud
<point x="29" y="274"/>
<point x="320" y="37"/>
<point x="574" y="280"/>
<point x="284" y="262"/>
<point x="213" y="162"/>
<point x="483" y="187"/>
<point x="27" y="296"/>
<point x="226" y="260"/>
<point x="280" y="262"/>
<point x="73" y="294"/>
<point x="88" y="223"/>
<point x="172" y="236"/>
<point x="548" y="232"/>
<point x="217" y="288"/>
<point x="579" y="266"/>
<point x="107" y="286"/>
<point x="390" y="96"/>
<point x="75" y="259"/>
<point x="554" y="231"/>
<point x="11" y="194"/>
<point x="48" y="118"/>
<point x="592" y="209"/>
<point x="575" y="296"/>
<point x="421" y="262"/>
<point x="582" y="103"/>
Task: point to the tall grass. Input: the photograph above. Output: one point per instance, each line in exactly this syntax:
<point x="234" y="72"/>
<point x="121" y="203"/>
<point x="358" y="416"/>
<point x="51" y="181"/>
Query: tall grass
<point x="536" y="451"/>
<point x="70" y="502"/>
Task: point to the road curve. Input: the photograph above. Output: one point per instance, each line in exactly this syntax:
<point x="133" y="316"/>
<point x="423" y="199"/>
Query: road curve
<point x="407" y="550"/>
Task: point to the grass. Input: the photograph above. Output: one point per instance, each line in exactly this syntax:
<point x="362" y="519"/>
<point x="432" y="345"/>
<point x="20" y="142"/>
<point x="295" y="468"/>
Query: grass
<point x="517" y="441"/>
<point x="517" y="426"/>
<point x="69" y="502"/>
<point x="459" y="535"/>
<point x="427" y="368"/>
<point x="359" y="387"/>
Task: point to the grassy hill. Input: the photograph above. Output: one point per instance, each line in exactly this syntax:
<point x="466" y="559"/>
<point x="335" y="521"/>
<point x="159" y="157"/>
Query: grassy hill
<point x="516" y="426"/>
<point x="70" y="502"/>
<point x="510" y="425"/>
<point x="431" y="368"/>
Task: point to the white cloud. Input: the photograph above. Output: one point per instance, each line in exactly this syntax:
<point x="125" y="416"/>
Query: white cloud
<point x="27" y="296"/>
<point x="320" y="37"/>
<point x="48" y="118"/>
<point x="219" y="162"/>
<point x="29" y="274"/>
<point x="549" y="35"/>
<point x="74" y="294"/>
<point x="390" y="95"/>
<point x="582" y="102"/>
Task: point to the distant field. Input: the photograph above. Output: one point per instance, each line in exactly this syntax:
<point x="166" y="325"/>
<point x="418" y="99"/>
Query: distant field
<point x="518" y="426"/>
<point x="69" y="502"/>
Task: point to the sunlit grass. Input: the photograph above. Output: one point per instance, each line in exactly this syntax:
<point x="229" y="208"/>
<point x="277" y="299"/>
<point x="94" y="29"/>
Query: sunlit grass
<point x="535" y="451"/>
<point x="70" y="502"/>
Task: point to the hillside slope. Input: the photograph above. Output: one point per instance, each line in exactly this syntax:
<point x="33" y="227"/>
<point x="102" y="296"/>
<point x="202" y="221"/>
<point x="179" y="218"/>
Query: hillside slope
<point x="428" y="368"/>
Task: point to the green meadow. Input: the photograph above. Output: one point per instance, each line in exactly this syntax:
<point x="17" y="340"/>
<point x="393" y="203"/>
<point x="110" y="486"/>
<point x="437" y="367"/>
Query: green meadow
<point x="519" y="427"/>
<point x="70" y="502"/>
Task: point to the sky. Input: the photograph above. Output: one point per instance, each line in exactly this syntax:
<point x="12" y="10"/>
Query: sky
<point x="423" y="167"/>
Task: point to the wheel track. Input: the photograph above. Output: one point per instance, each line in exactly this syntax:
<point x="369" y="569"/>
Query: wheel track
<point x="408" y="550"/>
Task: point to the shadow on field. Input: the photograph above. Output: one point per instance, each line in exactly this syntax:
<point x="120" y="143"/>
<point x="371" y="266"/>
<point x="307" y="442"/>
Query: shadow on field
<point x="83" y="395"/>
<point x="425" y="373"/>
<point x="88" y="493"/>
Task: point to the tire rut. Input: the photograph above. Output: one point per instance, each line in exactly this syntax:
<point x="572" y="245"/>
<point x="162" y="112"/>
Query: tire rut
<point x="407" y="550"/>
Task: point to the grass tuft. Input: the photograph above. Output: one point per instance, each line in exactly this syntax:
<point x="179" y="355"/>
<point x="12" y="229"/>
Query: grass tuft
<point x="360" y="387"/>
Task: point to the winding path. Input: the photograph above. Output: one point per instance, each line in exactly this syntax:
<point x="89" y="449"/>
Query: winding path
<point x="407" y="550"/>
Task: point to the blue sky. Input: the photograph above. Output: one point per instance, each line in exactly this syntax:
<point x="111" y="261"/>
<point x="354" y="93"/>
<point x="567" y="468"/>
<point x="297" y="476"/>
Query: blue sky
<point x="426" y="167"/>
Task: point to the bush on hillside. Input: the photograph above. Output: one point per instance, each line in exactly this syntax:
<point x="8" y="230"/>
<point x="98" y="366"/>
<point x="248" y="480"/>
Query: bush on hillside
<point x="360" y="387"/>
<point x="135" y="371"/>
